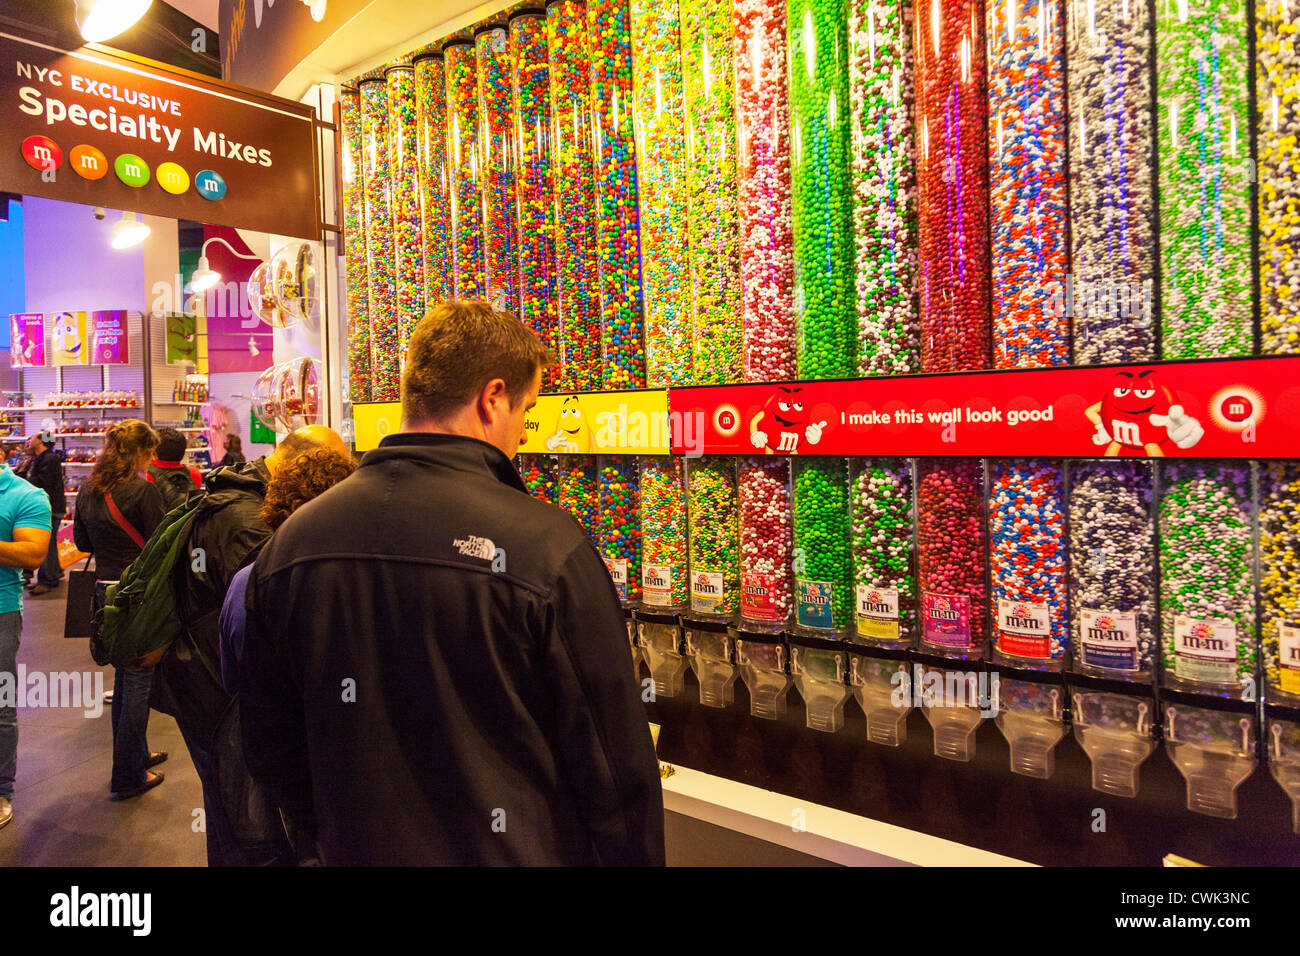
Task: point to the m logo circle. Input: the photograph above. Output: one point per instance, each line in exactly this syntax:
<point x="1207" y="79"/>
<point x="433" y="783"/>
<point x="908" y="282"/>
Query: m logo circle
<point x="42" y="153"/>
<point x="209" y="184"/>
<point x="173" y="178"/>
<point x="132" y="170"/>
<point x="88" y="162"/>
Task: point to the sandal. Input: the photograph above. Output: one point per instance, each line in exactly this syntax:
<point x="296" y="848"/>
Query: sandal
<point x="151" y="780"/>
<point x="156" y="758"/>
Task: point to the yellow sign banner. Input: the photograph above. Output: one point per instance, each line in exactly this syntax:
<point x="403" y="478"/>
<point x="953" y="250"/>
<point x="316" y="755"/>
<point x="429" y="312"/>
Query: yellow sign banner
<point x="582" y="423"/>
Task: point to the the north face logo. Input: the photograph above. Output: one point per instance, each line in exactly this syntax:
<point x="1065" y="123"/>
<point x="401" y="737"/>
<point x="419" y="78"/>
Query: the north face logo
<point x="475" y="547"/>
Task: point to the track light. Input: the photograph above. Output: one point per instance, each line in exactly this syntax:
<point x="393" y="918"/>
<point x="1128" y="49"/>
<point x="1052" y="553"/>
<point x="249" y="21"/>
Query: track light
<point x="129" y="231"/>
<point x="101" y="20"/>
<point x="205" y="277"/>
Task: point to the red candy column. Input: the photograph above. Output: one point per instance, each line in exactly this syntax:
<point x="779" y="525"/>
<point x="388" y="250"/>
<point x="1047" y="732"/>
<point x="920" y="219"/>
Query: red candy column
<point x="766" y="543"/>
<point x="533" y="187"/>
<point x="575" y="203"/>
<point x="468" y="267"/>
<point x="952" y="156"/>
<point x="951" y="545"/>
<point x="497" y="168"/>
<point x="763" y="184"/>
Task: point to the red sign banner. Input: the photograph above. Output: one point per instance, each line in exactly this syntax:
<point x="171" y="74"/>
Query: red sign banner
<point x="108" y="338"/>
<point x="1233" y="408"/>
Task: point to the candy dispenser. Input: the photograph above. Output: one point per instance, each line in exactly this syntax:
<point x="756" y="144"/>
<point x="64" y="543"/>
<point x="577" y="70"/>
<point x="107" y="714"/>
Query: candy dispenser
<point x="609" y="31"/>
<point x="766" y="543"/>
<point x="1030" y="716"/>
<point x="823" y="557"/>
<point x="662" y="190"/>
<point x="818" y="669"/>
<point x="714" y="515"/>
<point x="764" y="220"/>
<point x="468" y="266"/>
<point x="956" y="703"/>
<point x="761" y="662"/>
<point x="952" y="166"/>
<point x="538" y="294"/>
<point x="575" y="202"/>
<point x="708" y="75"/>
<point x="1278" y="149"/>
<point x="354" y="238"/>
<point x="883" y="688"/>
<point x="1283" y="742"/>
<point x="1027" y="563"/>
<point x="1279" y="578"/>
<point x="620" y="526"/>
<point x="884" y="185"/>
<point x="709" y="648"/>
<point x="381" y="298"/>
<point x="951" y="556"/>
<point x="1203" y="97"/>
<point x="1110" y="293"/>
<point x="1206" y="577"/>
<point x="431" y="113"/>
<point x="664" y="568"/>
<point x="408" y="226"/>
<point x="821" y="178"/>
<point x="1116" y="732"/>
<point x="497" y="148"/>
<point x="660" y="636"/>
<point x="1027" y="183"/>
<point x="1215" y="751"/>
<point x="1112" y="570"/>
<point x="579" y="493"/>
<point x="541" y="475"/>
<point x="884" y="555"/>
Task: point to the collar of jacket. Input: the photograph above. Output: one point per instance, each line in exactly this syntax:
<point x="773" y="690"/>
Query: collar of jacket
<point x="251" y="476"/>
<point x="159" y="463"/>
<point x="454" y="451"/>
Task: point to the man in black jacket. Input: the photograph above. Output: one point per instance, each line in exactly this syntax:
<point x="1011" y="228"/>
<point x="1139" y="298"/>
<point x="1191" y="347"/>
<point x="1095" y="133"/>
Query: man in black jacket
<point x="437" y="667"/>
<point x="46" y="473"/>
<point x="227" y="533"/>
<point x="175" y="480"/>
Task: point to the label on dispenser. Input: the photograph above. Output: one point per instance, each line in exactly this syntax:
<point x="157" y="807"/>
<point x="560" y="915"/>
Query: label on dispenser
<point x="945" y="619"/>
<point x="707" y="591"/>
<point x="758" y="597"/>
<point x="1205" y="649"/>
<point x="657" y="584"/>
<point x="877" y="612"/>
<point x="1024" y="629"/>
<point x="617" y="568"/>
<point x="815" y="607"/>
<point x="1108" y="639"/>
<point x="1288" y="657"/>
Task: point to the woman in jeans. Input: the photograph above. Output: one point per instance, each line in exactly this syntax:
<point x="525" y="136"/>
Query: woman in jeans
<point x="117" y="510"/>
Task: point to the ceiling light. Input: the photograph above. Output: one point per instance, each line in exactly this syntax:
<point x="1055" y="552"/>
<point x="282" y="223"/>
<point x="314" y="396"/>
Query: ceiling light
<point x="129" y="231"/>
<point x="101" y="20"/>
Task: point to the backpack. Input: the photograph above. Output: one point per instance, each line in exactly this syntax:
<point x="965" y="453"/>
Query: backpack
<point x="139" y="617"/>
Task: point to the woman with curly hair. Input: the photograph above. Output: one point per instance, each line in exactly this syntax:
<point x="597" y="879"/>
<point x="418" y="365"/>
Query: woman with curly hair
<point x="116" y="513"/>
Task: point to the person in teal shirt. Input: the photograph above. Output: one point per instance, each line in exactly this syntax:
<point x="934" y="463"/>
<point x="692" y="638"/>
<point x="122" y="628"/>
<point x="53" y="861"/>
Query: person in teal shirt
<point x="24" y="539"/>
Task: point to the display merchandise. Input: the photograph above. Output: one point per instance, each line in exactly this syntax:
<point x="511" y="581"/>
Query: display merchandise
<point x="381" y="298"/>
<point x="530" y="82"/>
<point x="359" y="378"/>
<point x="404" y="181"/>
<point x="807" y="223"/>
<point x="882" y="94"/>
<point x="575" y="202"/>
<point x="709" y="84"/>
<point x="431" y="128"/>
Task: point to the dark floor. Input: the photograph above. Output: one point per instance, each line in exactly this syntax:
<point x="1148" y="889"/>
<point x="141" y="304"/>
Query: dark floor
<point x="62" y="811"/>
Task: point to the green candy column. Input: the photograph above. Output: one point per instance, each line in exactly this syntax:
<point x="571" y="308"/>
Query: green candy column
<point x="709" y="77"/>
<point x="823" y="557"/>
<point x="822" y="188"/>
<point x="1203" y="112"/>
<point x="714" y="542"/>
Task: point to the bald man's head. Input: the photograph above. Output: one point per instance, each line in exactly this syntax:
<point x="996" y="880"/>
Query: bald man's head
<point x="305" y="439"/>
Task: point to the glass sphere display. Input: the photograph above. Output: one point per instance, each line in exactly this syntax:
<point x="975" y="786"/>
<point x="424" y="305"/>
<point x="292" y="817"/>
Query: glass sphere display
<point x="287" y="396"/>
<point x="294" y="282"/>
<point x="261" y="295"/>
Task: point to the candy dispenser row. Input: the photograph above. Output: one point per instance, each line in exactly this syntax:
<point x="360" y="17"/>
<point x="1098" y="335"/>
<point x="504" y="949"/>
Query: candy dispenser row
<point x="354" y="238"/>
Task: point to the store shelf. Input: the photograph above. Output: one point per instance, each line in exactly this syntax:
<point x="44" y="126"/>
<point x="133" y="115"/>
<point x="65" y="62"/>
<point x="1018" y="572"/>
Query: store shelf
<point x="187" y="404"/>
<point x="70" y="408"/>
<point x="78" y="464"/>
<point x="830" y="834"/>
<point x="203" y="429"/>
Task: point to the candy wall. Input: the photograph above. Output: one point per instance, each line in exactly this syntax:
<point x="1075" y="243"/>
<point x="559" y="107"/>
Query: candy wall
<point x="831" y="195"/>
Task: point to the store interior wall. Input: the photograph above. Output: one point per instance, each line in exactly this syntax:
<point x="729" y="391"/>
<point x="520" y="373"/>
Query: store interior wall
<point x="13" y="290"/>
<point x="70" y="264"/>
